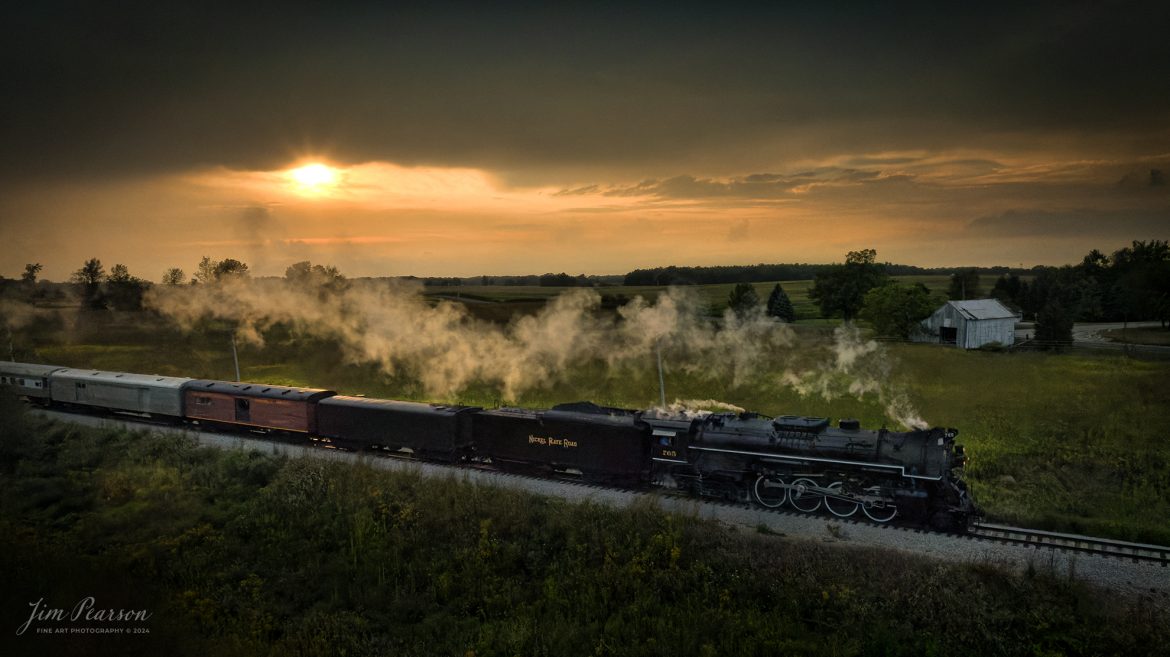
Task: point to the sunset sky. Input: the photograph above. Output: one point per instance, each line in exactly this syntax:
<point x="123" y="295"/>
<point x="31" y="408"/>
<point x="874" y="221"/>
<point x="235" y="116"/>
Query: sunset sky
<point x="488" y="138"/>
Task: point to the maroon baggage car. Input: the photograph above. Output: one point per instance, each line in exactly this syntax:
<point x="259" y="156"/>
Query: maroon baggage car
<point x="253" y="405"/>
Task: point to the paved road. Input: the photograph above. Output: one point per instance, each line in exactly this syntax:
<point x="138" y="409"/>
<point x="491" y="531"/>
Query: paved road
<point x="1143" y="578"/>
<point x="1091" y="332"/>
<point x="1088" y="335"/>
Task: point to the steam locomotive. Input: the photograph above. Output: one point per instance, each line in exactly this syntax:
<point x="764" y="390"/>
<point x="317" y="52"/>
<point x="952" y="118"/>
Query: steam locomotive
<point x="801" y="462"/>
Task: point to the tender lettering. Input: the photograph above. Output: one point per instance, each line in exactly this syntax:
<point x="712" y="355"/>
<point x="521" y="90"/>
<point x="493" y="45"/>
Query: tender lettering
<point x="549" y="441"/>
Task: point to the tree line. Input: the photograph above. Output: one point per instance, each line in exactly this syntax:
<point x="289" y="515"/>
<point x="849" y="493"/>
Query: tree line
<point x="1131" y="284"/>
<point x="763" y="273"/>
<point x="119" y="290"/>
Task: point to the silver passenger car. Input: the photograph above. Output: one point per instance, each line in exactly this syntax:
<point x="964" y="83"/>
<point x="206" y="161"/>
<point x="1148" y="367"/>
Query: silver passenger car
<point x="27" y="379"/>
<point x="119" y="391"/>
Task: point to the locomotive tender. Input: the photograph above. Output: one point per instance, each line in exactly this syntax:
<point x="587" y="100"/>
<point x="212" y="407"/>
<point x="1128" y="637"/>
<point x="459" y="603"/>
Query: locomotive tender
<point x="802" y="462"/>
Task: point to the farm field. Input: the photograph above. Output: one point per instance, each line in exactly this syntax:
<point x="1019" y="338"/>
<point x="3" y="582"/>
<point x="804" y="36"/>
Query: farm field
<point x="1072" y="442"/>
<point x="714" y="296"/>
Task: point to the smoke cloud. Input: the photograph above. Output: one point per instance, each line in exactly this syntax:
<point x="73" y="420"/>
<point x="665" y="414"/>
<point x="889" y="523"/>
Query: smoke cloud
<point x="856" y="368"/>
<point x="391" y="324"/>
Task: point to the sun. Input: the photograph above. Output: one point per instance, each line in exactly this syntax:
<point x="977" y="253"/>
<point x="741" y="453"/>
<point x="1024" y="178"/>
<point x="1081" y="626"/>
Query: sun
<point x="314" y="179"/>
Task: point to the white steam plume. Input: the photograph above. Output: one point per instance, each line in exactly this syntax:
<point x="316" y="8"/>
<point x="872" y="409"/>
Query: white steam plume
<point x="391" y="324"/>
<point x="857" y="367"/>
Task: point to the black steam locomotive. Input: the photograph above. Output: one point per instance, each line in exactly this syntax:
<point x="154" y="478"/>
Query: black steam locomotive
<point x="801" y="462"/>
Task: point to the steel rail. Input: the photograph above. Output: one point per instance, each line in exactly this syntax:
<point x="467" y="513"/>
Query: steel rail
<point x="1072" y="543"/>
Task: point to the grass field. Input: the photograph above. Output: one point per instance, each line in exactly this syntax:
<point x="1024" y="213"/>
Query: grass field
<point x="1061" y="441"/>
<point x="245" y="553"/>
<point x="713" y="296"/>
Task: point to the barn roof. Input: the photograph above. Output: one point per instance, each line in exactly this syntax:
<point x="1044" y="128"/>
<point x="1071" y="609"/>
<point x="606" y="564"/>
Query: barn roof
<point x="982" y="309"/>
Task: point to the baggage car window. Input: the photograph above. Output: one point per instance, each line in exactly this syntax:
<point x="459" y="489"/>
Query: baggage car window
<point x="242" y="404"/>
<point x="203" y="401"/>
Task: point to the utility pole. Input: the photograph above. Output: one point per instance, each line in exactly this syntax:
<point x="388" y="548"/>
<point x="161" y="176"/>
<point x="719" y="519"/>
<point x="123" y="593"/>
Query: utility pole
<point x="235" y="358"/>
<point x="661" y="381"/>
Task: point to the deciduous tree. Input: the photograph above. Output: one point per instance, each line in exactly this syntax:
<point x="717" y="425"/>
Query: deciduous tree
<point x="896" y="309"/>
<point x="29" y="277"/>
<point x="230" y="268"/>
<point x="124" y="292"/>
<point x="90" y="277"/>
<point x="841" y="290"/>
<point x="205" y="271"/>
<point x="173" y="276"/>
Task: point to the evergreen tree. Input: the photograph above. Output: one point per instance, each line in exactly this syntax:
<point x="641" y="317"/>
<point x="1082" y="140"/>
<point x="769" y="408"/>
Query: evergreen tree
<point x="743" y="298"/>
<point x="1054" y="323"/>
<point x="780" y="306"/>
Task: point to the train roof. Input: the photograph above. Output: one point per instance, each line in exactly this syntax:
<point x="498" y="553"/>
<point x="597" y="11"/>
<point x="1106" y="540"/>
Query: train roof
<point x="123" y="378"/>
<point x="258" y="390"/>
<point x="395" y="405"/>
<point x="590" y="407"/>
<point x="27" y="369"/>
<point x="559" y="414"/>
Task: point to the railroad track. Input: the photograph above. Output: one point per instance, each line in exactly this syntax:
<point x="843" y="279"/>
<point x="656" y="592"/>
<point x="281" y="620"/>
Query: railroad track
<point x="1039" y="539"/>
<point x="1073" y="543"/>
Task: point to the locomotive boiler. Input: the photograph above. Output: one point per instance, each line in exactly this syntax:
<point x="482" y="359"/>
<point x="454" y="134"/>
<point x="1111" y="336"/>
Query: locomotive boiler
<point x="807" y="464"/>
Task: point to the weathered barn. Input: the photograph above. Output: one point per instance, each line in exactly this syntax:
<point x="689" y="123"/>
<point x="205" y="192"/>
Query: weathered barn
<point x="970" y="324"/>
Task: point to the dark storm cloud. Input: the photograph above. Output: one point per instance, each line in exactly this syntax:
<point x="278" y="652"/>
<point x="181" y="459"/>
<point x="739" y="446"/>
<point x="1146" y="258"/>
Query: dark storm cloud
<point x="1139" y="180"/>
<point x="95" y="89"/>
<point x="1085" y="222"/>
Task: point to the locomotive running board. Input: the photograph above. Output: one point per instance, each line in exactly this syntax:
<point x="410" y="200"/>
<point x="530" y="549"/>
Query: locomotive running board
<point x="802" y="460"/>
